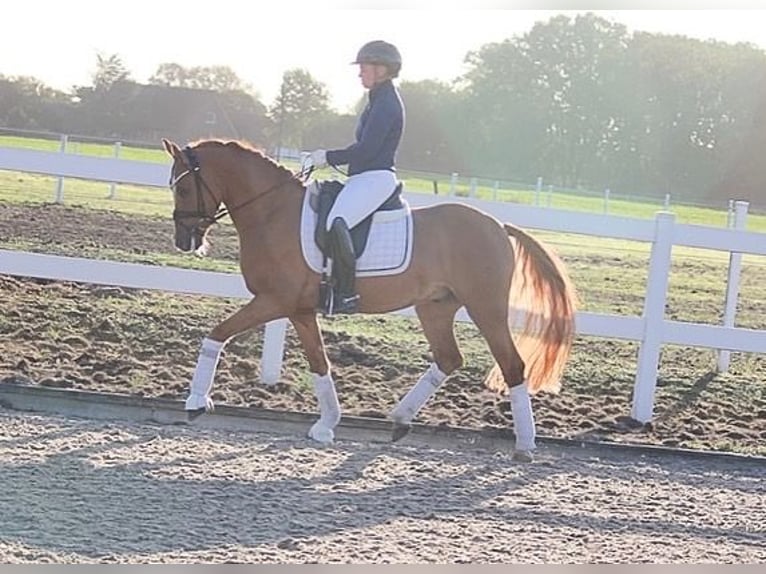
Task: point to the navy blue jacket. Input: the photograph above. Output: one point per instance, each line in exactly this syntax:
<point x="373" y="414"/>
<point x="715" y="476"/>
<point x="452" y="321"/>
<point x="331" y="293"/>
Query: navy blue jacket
<point x="378" y="133"/>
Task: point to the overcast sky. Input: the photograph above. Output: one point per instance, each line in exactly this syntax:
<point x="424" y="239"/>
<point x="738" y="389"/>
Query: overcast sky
<point x="57" y="41"/>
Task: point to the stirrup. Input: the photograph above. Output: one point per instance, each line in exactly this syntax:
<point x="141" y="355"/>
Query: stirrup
<point x="345" y="305"/>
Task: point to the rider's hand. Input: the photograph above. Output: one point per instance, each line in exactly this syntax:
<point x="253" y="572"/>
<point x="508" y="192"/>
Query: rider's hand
<point x="318" y="158"/>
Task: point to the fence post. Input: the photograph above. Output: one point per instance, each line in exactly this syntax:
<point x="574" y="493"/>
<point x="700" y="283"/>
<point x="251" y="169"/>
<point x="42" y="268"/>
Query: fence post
<point x="653" y="316"/>
<point x="453" y="184"/>
<point x="538" y="189"/>
<point x="606" y="201"/>
<point x="495" y="189"/>
<point x="273" y="351"/>
<point x="732" y="284"/>
<point x="58" y="196"/>
<point x="666" y="205"/>
<point x="113" y="186"/>
<point x="472" y="192"/>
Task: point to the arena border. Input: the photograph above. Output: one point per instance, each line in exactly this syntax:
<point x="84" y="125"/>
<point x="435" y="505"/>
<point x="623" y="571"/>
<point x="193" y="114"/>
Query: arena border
<point x="32" y="398"/>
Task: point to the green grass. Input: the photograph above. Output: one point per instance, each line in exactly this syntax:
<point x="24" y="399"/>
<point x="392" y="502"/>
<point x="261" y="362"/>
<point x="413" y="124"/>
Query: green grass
<point x="615" y="271"/>
<point x="18" y="187"/>
<point x="618" y="287"/>
<point x="95" y="195"/>
<point x="87" y="148"/>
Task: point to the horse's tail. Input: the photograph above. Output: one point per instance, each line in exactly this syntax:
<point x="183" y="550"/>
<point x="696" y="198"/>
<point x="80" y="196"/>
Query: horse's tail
<point x="541" y="287"/>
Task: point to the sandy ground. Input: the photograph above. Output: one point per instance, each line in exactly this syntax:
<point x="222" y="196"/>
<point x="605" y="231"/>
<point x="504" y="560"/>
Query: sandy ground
<point x="109" y="339"/>
<point x="85" y="491"/>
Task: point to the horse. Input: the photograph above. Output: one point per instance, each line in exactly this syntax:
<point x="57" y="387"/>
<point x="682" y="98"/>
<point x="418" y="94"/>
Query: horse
<point x="461" y="257"/>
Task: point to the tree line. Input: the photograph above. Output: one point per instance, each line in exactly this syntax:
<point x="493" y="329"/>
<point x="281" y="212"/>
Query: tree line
<point x="577" y="100"/>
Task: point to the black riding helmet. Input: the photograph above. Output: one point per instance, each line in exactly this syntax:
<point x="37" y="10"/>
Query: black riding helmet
<point x="380" y="52"/>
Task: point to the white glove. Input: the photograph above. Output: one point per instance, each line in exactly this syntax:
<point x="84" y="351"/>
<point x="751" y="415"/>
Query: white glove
<point x="318" y="158"/>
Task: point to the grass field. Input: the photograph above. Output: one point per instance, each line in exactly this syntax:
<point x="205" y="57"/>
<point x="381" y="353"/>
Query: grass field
<point x="580" y="250"/>
<point x="94" y="194"/>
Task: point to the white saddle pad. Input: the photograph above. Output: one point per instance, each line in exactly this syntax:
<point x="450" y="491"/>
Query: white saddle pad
<point x="389" y="246"/>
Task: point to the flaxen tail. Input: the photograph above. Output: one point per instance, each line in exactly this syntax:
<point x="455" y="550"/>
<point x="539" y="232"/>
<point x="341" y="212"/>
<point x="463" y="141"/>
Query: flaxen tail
<point x="541" y="288"/>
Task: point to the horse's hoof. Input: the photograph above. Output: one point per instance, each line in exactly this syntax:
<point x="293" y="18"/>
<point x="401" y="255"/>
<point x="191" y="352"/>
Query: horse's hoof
<point x="191" y="415"/>
<point x="321" y="433"/>
<point x="522" y="456"/>
<point x="399" y="431"/>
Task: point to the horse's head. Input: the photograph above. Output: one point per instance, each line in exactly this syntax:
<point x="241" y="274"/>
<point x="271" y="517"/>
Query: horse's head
<point x="196" y="202"/>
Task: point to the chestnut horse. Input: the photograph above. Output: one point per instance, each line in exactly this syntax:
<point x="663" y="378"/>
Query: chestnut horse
<point x="462" y="257"/>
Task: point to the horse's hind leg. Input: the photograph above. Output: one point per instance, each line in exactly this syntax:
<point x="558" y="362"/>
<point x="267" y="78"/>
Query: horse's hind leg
<point x="437" y="319"/>
<point x="324" y="388"/>
<point x="492" y="321"/>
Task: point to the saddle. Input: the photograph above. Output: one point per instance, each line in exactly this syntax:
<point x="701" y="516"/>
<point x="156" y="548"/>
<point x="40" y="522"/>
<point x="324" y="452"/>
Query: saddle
<point x="323" y="202"/>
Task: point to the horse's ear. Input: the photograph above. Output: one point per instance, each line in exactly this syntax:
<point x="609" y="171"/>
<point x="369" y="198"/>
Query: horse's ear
<point x="172" y="149"/>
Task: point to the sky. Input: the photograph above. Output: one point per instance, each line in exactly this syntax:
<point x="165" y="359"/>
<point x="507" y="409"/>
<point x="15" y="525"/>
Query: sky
<point x="58" y="41"/>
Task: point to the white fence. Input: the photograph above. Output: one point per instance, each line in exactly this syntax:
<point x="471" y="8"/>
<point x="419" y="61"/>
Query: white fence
<point x="651" y="329"/>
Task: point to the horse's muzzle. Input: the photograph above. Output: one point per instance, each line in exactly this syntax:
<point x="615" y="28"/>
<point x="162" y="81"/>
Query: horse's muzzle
<point x="190" y="239"/>
<point x="184" y="239"/>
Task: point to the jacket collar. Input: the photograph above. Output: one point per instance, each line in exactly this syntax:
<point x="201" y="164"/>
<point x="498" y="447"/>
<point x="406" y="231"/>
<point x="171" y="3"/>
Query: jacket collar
<point x="377" y="88"/>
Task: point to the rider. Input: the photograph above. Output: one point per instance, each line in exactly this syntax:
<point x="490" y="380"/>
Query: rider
<point x="370" y="159"/>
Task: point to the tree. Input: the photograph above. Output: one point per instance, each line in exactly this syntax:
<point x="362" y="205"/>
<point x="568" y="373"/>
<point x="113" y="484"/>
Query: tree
<point x="432" y="138"/>
<point x="543" y="103"/>
<point x="331" y="131"/>
<point x="216" y="78"/>
<point x="302" y="102"/>
<point x="171" y="75"/>
<point x="26" y="102"/>
<point x="100" y="107"/>
<point x="109" y="70"/>
<point x="503" y="112"/>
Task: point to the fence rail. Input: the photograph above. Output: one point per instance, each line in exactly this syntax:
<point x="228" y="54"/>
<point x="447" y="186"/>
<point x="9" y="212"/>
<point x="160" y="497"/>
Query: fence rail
<point x="651" y="329"/>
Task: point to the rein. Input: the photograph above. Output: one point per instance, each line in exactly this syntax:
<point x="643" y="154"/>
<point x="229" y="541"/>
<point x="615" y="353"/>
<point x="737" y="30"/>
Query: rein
<point x="201" y="185"/>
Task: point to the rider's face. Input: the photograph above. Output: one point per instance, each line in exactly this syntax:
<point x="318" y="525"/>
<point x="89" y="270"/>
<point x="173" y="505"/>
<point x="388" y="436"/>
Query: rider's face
<point x="372" y="74"/>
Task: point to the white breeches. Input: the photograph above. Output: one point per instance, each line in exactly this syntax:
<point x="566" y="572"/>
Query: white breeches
<point x="362" y="194"/>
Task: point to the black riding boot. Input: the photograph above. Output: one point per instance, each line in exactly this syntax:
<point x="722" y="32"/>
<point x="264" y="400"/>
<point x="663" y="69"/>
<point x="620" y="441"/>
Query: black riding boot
<point x="345" y="298"/>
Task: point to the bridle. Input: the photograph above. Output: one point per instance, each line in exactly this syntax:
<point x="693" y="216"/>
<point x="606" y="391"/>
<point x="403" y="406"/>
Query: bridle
<point x="204" y="219"/>
<point x="201" y="186"/>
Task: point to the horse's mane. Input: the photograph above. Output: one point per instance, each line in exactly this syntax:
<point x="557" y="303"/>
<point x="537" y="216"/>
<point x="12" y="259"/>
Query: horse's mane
<point x="244" y="147"/>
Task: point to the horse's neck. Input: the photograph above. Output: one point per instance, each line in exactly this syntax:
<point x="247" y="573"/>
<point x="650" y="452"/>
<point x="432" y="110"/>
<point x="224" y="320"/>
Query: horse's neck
<point x="269" y="211"/>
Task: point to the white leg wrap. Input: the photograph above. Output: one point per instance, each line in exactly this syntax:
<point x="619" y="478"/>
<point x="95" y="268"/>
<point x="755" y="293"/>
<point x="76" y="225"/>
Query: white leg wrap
<point x="523" y="420"/>
<point x="329" y="409"/>
<point x="202" y="382"/>
<point x="418" y="395"/>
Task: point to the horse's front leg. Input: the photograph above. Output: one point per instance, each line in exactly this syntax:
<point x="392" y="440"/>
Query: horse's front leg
<point x="256" y="312"/>
<point x="307" y="328"/>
